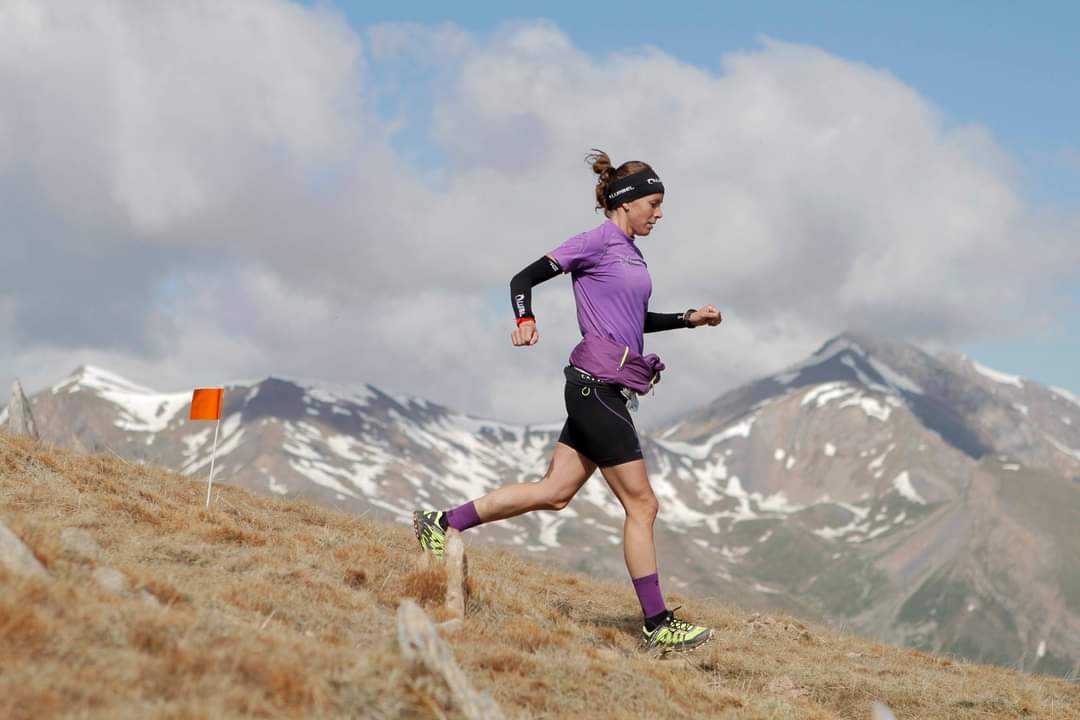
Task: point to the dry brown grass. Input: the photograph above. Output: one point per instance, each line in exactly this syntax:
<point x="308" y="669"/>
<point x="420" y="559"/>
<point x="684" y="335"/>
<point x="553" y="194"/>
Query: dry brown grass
<point x="281" y="609"/>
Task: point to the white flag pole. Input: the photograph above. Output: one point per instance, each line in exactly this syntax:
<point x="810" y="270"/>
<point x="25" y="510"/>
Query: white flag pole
<point x="213" y="456"/>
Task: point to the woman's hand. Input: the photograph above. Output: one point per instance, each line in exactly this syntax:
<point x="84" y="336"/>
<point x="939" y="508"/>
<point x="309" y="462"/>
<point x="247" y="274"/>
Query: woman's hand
<point x="525" y="334"/>
<point x="707" y="315"/>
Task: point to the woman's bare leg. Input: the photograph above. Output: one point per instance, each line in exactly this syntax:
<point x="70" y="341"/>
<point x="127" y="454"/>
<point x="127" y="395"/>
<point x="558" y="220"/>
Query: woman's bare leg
<point x="630" y="483"/>
<point x="565" y="475"/>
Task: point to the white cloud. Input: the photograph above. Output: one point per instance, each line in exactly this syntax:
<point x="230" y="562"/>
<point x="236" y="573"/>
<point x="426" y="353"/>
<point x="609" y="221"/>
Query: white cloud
<point x="207" y="190"/>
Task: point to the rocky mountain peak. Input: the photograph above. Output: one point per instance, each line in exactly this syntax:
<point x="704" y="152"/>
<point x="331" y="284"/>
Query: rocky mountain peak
<point x="99" y="380"/>
<point x="859" y="359"/>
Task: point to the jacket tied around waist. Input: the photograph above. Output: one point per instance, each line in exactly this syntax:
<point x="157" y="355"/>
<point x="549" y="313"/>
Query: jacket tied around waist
<point x="617" y="363"/>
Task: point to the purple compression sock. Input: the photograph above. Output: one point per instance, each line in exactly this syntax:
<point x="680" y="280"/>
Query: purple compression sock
<point x="463" y="517"/>
<point x="648" y="594"/>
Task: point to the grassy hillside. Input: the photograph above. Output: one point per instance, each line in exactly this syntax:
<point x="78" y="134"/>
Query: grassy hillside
<point x="274" y="608"/>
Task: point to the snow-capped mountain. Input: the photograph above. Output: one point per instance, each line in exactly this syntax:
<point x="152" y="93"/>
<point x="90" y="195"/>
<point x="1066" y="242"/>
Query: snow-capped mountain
<point x="921" y="499"/>
<point x="932" y="501"/>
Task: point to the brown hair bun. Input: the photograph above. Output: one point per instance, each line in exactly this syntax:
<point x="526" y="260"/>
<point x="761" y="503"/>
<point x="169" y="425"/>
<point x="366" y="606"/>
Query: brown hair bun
<point x="607" y="173"/>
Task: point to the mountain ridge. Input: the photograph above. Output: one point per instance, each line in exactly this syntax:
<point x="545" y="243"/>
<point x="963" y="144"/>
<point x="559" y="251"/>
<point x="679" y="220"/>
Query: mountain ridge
<point x="787" y="492"/>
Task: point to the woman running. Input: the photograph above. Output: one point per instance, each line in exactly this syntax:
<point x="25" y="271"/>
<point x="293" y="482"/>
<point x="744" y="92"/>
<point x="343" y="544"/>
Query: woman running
<point x="607" y="372"/>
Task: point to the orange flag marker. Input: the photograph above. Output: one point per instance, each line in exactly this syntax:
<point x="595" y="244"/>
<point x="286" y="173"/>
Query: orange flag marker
<point x="206" y="405"/>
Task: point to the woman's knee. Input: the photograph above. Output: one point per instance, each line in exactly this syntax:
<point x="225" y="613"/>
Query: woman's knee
<point x="555" y="497"/>
<point x="559" y="502"/>
<point x="643" y="508"/>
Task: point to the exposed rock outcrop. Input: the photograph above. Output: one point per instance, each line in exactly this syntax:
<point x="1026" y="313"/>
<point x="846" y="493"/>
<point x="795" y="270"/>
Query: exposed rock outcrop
<point x="20" y="418"/>
<point x="457" y="574"/>
<point x="81" y="543"/>
<point x="420" y="643"/>
<point x="16" y="557"/>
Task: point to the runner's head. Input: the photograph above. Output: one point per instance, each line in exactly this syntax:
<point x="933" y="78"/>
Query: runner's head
<point x="631" y="193"/>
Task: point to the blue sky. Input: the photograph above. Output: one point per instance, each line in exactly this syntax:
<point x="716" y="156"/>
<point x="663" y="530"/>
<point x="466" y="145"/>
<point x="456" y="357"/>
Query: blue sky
<point x="1009" y="68"/>
<point x="985" y="62"/>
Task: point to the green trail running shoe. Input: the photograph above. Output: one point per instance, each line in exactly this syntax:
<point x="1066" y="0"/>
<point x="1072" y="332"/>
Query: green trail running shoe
<point x="429" y="530"/>
<point x="675" y="634"/>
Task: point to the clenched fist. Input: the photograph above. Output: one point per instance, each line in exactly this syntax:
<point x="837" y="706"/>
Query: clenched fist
<point x="525" y="334"/>
<point x="707" y="315"/>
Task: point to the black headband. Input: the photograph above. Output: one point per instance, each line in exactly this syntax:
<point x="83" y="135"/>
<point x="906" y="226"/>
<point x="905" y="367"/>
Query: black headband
<point x="632" y="187"/>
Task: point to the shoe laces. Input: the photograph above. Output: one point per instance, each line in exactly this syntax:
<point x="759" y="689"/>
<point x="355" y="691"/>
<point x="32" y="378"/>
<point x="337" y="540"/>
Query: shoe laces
<point x="677" y="624"/>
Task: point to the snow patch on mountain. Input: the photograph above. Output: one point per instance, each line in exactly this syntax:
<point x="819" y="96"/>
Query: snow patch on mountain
<point x="822" y="394"/>
<point x="141" y="409"/>
<point x="877" y="463"/>
<point x="708" y="477"/>
<point x="734" y="488"/>
<point x="735" y="554"/>
<point x="342" y="446"/>
<point x="1063" y="393"/>
<point x="835" y="533"/>
<point x="299" y="439"/>
<point x="894" y="378"/>
<point x="701" y="451"/>
<point x="336" y="395"/>
<point x="996" y="376"/>
<point x="1075" y="454"/>
<point x="778" y="503"/>
<point x="230" y="439"/>
<point x="859" y="512"/>
<point x="902" y="483"/>
<point x="862" y="377"/>
<point x="854" y="355"/>
<point x="193" y="442"/>
<point x="672" y="430"/>
<point x="230" y="436"/>
<point x="852" y="396"/>
<point x="597" y="494"/>
<point x="831" y="350"/>
<point x="90" y="377"/>
<point x="323" y="474"/>
<point x="871" y="406"/>
<point x="549" y="529"/>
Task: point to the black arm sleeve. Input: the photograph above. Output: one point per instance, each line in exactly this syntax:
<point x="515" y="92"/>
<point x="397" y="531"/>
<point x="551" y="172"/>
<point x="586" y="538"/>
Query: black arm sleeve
<point x="521" y="285"/>
<point x="655" y="322"/>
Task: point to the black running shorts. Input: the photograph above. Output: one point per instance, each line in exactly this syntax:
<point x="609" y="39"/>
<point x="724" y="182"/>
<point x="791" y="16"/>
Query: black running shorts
<point x="598" y="423"/>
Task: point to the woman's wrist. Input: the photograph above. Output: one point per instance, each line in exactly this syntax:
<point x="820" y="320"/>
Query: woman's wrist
<point x="686" y="317"/>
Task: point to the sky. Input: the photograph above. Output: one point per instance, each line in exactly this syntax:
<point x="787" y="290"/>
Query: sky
<point x="201" y="192"/>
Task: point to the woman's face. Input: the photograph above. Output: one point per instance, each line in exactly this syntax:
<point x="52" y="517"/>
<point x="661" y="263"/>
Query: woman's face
<point x="644" y="212"/>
